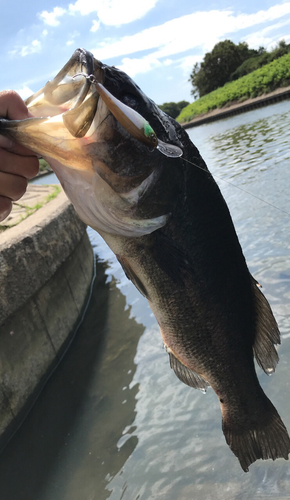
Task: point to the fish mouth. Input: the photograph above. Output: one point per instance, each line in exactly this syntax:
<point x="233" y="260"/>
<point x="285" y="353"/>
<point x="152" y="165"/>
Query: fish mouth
<point x="75" y="93"/>
<point x="90" y="124"/>
<point x="85" y="105"/>
<point x="70" y="95"/>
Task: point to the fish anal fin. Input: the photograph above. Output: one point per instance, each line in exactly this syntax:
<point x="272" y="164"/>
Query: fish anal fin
<point x="132" y="276"/>
<point x="267" y="333"/>
<point x="187" y="376"/>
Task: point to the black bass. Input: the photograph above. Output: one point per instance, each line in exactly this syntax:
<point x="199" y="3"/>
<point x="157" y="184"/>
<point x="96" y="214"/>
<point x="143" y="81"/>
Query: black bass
<point x="118" y="158"/>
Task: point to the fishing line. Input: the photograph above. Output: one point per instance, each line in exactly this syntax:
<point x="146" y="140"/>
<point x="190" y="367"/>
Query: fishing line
<point x="125" y="114"/>
<point x="237" y="187"/>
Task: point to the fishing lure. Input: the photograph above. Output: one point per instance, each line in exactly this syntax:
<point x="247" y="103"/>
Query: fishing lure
<point x="132" y="121"/>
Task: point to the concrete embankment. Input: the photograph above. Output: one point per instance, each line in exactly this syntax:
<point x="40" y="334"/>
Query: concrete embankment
<point x="235" y="109"/>
<point x="46" y="267"/>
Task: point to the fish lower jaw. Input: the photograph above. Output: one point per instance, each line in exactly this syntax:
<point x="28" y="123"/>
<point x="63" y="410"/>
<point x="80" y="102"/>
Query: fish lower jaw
<point x="99" y="206"/>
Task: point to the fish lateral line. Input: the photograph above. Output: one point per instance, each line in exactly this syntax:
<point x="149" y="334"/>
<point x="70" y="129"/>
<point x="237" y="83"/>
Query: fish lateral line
<point x="132" y="121"/>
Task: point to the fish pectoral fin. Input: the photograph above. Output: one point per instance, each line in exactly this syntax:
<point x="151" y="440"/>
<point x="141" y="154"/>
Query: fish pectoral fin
<point x="132" y="276"/>
<point x="267" y="333"/>
<point x="187" y="376"/>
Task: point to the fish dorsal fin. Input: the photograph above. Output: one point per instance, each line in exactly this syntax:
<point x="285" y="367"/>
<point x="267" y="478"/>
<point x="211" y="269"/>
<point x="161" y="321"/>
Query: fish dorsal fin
<point x="267" y="333"/>
<point x="186" y="375"/>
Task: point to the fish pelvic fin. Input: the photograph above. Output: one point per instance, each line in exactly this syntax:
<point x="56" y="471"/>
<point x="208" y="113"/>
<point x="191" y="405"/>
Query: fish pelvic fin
<point x="267" y="333"/>
<point x="187" y="376"/>
<point x="264" y="436"/>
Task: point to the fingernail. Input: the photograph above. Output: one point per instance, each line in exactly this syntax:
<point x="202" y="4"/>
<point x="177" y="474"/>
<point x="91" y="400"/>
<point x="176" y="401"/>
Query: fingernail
<point x="5" y="142"/>
<point x="5" y="214"/>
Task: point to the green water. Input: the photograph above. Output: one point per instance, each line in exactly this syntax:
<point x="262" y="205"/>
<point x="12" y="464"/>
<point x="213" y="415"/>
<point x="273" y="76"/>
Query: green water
<point x="114" y="422"/>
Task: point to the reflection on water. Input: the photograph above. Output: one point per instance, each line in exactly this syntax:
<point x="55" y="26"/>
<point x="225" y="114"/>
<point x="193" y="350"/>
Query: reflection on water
<point x="68" y="447"/>
<point x="114" y="421"/>
<point x="45" y="179"/>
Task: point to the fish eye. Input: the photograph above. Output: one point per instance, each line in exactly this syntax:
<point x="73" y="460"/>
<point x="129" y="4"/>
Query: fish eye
<point x="129" y="99"/>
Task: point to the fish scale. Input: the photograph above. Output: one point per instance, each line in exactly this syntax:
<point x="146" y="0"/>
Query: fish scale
<point x="166" y="220"/>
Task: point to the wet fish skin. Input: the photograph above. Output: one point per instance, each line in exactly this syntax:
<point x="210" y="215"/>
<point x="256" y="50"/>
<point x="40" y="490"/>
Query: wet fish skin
<point x="172" y="232"/>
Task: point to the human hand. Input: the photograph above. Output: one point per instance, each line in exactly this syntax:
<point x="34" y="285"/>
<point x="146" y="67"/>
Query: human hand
<point x="17" y="163"/>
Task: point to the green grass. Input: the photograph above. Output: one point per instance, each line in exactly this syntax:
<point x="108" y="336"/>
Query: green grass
<point x="44" y="166"/>
<point x="30" y="210"/>
<point x="263" y="80"/>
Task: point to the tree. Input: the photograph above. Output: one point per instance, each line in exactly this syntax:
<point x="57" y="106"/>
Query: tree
<point x="218" y="65"/>
<point x="173" y="108"/>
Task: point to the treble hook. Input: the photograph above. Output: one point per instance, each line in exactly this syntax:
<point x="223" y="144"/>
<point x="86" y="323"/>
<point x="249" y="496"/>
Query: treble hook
<point x="92" y="79"/>
<point x="132" y="121"/>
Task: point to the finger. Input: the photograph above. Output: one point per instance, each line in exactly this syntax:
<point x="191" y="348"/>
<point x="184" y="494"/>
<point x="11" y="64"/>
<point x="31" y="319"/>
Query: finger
<point x="25" y="166"/>
<point x="12" y="186"/>
<point x="14" y="147"/>
<point x="12" y="106"/>
<point x="5" y="207"/>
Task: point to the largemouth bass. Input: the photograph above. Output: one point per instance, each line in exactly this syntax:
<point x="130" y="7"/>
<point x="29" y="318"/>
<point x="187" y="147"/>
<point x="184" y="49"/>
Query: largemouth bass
<point x="117" y="156"/>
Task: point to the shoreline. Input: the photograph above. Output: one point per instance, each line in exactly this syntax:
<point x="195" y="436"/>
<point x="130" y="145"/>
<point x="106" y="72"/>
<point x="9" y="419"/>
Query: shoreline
<point x="277" y="95"/>
<point x="47" y="266"/>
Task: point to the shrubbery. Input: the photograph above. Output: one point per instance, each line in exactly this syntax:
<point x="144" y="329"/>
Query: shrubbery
<point x="260" y="60"/>
<point x="173" y="108"/>
<point x="269" y="77"/>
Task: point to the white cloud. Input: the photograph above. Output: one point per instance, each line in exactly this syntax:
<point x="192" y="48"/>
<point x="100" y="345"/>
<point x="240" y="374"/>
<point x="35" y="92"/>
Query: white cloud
<point x="33" y="48"/>
<point x="51" y="18"/>
<point x="45" y="32"/>
<point x="186" y="63"/>
<point x="113" y="12"/>
<point x="95" y="27"/>
<point x="145" y="64"/>
<point x="134" y="66"/>
<point x="284" y="37"/>
<point x="178" y="35"/>
<point x="273" y="43"/>
<point x="72" y="37"/>
<point x="260" y="38"/>
<point x="256" y="40"/>
<point x="24" y="92"/>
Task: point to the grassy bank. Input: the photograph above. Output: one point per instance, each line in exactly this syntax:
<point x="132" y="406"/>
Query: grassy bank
<point x="266" y="79"/>
<point x="23" y="208"/>
<point x="44" y="166"/>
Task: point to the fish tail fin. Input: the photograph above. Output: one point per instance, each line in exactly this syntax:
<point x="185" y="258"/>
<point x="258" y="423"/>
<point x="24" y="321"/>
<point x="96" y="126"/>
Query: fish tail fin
<point x="262" y="436"/>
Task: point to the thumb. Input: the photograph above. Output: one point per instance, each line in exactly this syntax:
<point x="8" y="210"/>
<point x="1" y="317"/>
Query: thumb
<point x="12" y="106"/>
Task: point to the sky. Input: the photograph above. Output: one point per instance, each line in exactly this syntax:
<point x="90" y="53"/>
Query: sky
<point x="156" y="42"/>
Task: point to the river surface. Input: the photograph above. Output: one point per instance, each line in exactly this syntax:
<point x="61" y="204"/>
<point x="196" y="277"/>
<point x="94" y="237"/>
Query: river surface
<point x="114" y="422"/>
